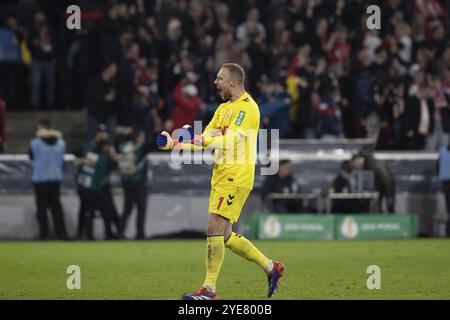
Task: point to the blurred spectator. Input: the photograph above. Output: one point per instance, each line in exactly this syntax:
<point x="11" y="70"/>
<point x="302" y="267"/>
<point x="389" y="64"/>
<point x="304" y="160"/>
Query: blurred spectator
<point x="282" y="182"/>
<point x="339" y="50"/>
<point x="362" y="102"/>
<point x="83" y="61"/>
<point x="10" y="39"/>
<point x="402" y="46"/>
<point x="47" y="156"/>
<point x="258" y="54"/>
<point x="344" y="183"/>
<point x="251" y="27"/>
<point x="372" y="42"/>
<point x="274" y="106"/>
<point x="443" y="167"/>
<point x="419" y="28"/>
<point x="432" y="10"/>
<point x="303" y="78"/>
<point x="417" y="119"/>
<point x="126" y="75"/>
<point x="326" y="102"/>
<point x="111" y="28"/>
<point x="392" y="105"/>
<point x="384" y="178"/>
<point x="279" y="56"/>
<point x="187" y="104"/>
<point x="42" y="47"/>
<point x="439" y="137"/>
<point x="14" y="56"/>
<point x="227" y="49"/>
<point x="2" y="125"/>
<point x="422" y="59"/>
<point x="146" y="105"/>
<point x="169" y="48"/>
<point x="102" y="99"/>
<point x="300" y="43"/>
<point x="147" y="43"/>
<point x="180" y="70"/>
<point x="439" y="40"/>
<point x="446" y="60"/>
<point x="319" y="39"/>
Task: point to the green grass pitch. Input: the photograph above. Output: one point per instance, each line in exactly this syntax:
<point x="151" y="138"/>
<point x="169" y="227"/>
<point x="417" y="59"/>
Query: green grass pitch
<point x="410" y="269"/>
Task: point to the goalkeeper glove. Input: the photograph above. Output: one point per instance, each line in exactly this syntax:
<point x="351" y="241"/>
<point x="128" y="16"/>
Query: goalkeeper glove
<point x="186" y="134"/>
<point x="164" y="141"/>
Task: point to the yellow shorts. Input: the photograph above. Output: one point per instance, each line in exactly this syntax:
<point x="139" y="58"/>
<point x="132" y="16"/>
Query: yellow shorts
<point x="227" y="201"/>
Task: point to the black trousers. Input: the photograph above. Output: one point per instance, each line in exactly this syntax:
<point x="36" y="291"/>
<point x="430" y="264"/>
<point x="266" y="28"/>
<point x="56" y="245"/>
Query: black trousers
<point x="12" y="85"/>
<point x="390" y="201"/>
<point x="135" y="194"/>
<point x="446" y="190"/>
<point x="83" y="217"/>
<point x="90" y="202"/>
<point x="47" y="197"/>
<point x="114" y="214"/>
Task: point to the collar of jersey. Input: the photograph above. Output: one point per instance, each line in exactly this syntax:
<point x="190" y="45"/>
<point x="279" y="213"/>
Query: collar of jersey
<point x="244" y="95"/>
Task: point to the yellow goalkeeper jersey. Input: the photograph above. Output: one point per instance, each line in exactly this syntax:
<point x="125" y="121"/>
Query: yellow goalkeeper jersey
<point x="238" y="121"/>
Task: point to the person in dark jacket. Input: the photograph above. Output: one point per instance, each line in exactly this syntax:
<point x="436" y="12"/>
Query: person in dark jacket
<point x="344" y="183"/>
<point x="91" y="179"/>
<point x="131" y="155"/>
<point x="384" y="178"/>
<point x="282" y="182"/>
<point x="439" y="136"/>
<point x="2" y="125"/>
<point x="43" y="65"/>
<point x="47" y="155"/>
<point x="102" y="99"/>
<point x="417" y="121"/>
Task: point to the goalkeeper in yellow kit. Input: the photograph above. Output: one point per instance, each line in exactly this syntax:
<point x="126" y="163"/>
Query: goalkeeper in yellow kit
<point x="233" y="134"/>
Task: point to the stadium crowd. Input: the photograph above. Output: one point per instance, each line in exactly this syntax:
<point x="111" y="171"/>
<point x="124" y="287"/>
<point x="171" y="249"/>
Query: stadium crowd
<point x="313" y="66"/>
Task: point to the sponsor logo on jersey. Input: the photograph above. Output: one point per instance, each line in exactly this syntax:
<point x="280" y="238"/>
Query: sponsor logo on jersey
<point x="240" y="118"/>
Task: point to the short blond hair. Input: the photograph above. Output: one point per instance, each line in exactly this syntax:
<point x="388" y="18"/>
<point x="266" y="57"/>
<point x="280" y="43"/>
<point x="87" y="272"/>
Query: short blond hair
<point x="236" y="70"/>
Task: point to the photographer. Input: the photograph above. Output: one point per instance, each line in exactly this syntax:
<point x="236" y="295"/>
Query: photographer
<point x="91" y="179"/>
<point x="131" y="160"/>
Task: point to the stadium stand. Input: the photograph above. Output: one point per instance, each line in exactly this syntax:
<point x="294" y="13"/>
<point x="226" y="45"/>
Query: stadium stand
<point x="340" y="80"/>
<point x="330" y="85"/>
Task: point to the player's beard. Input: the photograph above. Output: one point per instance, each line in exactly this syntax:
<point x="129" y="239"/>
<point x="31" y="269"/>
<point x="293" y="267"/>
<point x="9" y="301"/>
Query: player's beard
<point x="225" y="96"/>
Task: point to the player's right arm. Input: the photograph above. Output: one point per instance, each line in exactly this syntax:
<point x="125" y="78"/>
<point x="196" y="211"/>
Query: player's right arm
<point x="165" y="142"/>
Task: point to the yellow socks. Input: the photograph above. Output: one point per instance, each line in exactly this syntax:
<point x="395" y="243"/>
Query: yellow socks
<point x="243" y="247"/>
<point x="215" y="251"/>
